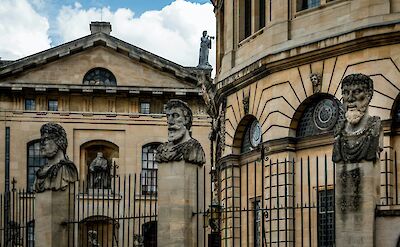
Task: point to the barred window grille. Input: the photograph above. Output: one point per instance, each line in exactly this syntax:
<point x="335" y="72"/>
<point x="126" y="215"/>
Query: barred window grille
<point x="149" y="169"/>
<point x="145" y="107"/>
<point x="326" y="230"/>
<point x="35" y="161"/>
<point x="319" y="117"/>
<point x="257" y="222"/>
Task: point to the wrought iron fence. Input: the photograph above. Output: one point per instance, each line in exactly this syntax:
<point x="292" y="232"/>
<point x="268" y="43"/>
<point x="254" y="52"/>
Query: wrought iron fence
<point x="258" y="203"/>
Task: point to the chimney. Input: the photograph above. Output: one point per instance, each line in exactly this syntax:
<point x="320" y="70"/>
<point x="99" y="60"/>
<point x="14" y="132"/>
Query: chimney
<point x="100" y="27"/>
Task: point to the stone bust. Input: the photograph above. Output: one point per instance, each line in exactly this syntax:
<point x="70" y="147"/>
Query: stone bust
<point x="59" y="171"/>
<point x="358" y="136"/>
<point x="316" y="80"/>
<point x="180" y="145"/>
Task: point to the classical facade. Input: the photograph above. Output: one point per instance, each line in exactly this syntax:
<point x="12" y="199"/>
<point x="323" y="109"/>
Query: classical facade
<point x="109" y="96"/>
<point x="279" y="70"/>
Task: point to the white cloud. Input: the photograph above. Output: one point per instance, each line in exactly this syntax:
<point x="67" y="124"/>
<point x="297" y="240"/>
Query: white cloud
<point x="173" y="32"/>
<point x="23" y="30"/>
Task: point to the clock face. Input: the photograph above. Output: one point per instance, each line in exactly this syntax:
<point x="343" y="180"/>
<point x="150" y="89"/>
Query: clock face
<point x="255" y="134"/>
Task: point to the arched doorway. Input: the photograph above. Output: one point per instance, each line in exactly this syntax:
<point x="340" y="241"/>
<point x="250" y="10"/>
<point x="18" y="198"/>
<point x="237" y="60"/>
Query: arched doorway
<point x="100" y="230"/>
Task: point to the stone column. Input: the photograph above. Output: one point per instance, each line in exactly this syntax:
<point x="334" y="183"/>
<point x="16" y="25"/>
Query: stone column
<point x="357" y="193"/>
<point x="177" y="197"/>
<point x="52" y="209"/>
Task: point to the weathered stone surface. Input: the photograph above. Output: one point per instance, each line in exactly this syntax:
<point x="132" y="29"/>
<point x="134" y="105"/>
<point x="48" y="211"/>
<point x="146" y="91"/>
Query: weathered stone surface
<point x="180" y="145"/>
<point x="356" y="151"/>
<point x="59" y="171"/>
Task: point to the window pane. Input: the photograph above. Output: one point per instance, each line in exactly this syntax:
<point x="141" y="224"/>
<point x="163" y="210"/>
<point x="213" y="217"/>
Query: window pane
<point x="145" y="108"/>
<point x="35" y="161"/>
<point x="326" y="218"/>
<point x="53" y="105"/>
<point x="149" y="169"/>
<point x="30" y="104"/>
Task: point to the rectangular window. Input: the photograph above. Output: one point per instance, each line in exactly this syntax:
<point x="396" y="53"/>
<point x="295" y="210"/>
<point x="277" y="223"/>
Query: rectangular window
<point x="53" y="105"/>
<point x="145" y="107"/>
<point x="247" y="18"/>
<point x="261" y="18"/>
<point x="326" y="231"/>
<point x="30" y="104"/>
<point x="307" y="4"/>
<point x="257" y="222"/>
<point x="149" y="169"/>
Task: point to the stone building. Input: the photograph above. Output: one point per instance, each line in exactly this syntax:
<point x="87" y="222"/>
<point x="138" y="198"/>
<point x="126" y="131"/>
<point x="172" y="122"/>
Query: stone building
<point x="108" y="95"/>
<point x="278" y="73"/>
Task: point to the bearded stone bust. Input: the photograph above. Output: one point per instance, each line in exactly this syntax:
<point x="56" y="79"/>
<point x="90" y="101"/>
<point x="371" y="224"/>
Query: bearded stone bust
<point x="357" y="137"/>
<point x="180" y="145"/>
<point x="59" y="171"/>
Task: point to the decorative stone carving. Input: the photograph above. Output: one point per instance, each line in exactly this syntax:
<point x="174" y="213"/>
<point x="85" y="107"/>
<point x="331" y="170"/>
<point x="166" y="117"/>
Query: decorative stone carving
<point x="357" y="138"/>
<point x="246" y="104"/>
<point x="316" y="80"/>
<point x="205" y="45"/>
<point x="93" y="242"/>
<point x="99" y="173"/>
<point x="180" y="145"/>
<point x="59" y="171"/>
<point x="220" y="130"/>
<point x="208" y="92"/>
<point x="356" y="153"/>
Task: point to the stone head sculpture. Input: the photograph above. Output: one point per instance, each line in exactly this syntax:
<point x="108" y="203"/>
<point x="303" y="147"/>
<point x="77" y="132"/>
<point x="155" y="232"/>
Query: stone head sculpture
<point x="316" y="80"/>
<point x="357" y="91"/>
<point x="59" y="171"/>
<point x="179" y="119"/>
<point x="53" y="140"/>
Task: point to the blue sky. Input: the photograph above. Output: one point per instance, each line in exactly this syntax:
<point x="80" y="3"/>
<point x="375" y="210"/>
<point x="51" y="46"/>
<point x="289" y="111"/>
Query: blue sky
<point x="30" y="26"/>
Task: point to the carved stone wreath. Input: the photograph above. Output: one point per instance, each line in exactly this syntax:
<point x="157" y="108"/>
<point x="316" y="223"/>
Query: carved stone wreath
<point x="326" y="114"/>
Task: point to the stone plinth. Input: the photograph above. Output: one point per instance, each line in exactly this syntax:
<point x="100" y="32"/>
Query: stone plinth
<point x="177" y="201"/>
<point x="357" y="193"/>
<point x="51" y="210"/>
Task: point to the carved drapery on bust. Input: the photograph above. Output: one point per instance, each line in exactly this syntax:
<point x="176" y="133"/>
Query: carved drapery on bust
<point x="358" y="136"/>
<point x="180" y="145"/>
<point x="59" y="171"/>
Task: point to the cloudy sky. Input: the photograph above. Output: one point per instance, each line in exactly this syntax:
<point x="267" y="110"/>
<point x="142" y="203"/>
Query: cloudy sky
<point x="169" y="28"/>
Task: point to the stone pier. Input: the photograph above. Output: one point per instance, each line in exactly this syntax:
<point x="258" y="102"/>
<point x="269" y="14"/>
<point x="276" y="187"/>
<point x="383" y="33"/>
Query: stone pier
<point x="52" y="209"/>
<point x="177" y="195"/>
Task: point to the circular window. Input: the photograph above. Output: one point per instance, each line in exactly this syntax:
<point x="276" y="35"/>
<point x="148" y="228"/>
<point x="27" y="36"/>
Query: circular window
<point x="326" y="114"/>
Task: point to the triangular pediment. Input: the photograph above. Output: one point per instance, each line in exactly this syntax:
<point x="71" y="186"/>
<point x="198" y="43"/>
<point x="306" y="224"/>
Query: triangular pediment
<point x="67" y="65"/>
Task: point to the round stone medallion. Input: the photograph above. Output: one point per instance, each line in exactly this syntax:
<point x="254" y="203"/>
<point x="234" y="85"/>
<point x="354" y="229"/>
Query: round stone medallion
<point x="255" y="134"/>
<point x="326" y="114"/>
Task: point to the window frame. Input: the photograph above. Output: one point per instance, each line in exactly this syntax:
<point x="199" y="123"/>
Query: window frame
<point x="49" y="106"/>
<point x="32" y="101"/>
<point x="326" y="196"/>
<point x="151" y="180"/>
<point x="140" y="107"/>
<point x="36" y="157"/>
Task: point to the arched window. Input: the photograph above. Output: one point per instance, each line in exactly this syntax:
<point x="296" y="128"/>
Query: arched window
<point x="149" y="169"/>
<point x="99" y="76"/>
<point x="252" y="136"/>
<point x="320" y="116"/>
<point x="35" y="161"/>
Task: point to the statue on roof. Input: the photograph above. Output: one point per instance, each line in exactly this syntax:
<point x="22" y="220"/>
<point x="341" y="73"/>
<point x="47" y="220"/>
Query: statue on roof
<point x="205" y="45"/>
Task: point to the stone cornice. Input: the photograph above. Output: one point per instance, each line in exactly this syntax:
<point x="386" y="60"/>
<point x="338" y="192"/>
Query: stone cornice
<point x="359" y="39"/>
<point x="100" y="89"/>
<point x="187" y="74"/>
